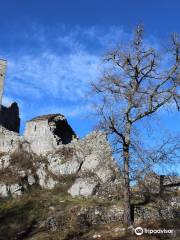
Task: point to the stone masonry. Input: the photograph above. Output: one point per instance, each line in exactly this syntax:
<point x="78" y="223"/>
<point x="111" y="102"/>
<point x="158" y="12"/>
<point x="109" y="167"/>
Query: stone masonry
<point x="46" y="132"/>
<point x="2" y="74"/>
<point x="9" y="117"/>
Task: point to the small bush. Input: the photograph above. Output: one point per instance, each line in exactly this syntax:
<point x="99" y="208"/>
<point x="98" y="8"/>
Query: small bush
<point x="8" y="176"/>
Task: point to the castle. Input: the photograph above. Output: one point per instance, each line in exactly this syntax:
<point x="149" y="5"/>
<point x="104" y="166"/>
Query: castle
<point x="52" y="128"/>
<point x="49" y="150"/>
<point x="49" y="155"/>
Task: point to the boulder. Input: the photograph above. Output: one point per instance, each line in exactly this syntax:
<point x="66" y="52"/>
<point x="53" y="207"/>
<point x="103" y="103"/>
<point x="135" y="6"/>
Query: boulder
<point x="63" y="162"/>
<point x="44" y="179"/>
<point x="4" y="160"/>
<point x="83" y="187"/>
<point x="10" y="190"/>
<point x="3" y="190"/>
<point x="94" y="154"/>
<point x="98" y="157"/>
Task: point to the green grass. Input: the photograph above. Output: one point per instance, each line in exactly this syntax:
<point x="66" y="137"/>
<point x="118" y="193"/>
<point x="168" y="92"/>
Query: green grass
<point x="21" y="218"/>
<point x="22" y="214"/>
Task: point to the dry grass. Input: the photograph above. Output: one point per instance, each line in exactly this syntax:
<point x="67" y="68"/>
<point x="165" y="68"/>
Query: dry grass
<point x="22" y="218"/>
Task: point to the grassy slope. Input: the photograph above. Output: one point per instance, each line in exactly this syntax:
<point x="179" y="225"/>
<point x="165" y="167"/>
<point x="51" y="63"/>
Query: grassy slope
<point x="24" y="217"/>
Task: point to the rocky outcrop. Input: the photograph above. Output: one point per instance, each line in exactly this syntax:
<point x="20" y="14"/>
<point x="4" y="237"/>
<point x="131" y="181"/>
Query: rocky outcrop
<point x="17" y="173"/>
<point x="90" y="160"/>
<point x="84" y="187"/>
<point x="97" y="157"/>
<point x="44" y="178"/>
<point x="46" y="132"/>
<point x="9" y="117"/>
<point x="9" y="140"/>
<point x="49" y="151"/>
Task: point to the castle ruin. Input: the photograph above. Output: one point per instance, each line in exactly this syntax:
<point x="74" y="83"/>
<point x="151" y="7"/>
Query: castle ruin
<point x="48" y="151"/>
<point x="9" y="116"/>
<point x="45" y="133"/>
<point x="2" y="75"/>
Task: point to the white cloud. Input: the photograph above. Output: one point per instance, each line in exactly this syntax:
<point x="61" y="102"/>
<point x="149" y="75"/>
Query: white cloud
<point x="6" y="101"/>
<point x="65" y="77"/>
<point x="56" y="77"/>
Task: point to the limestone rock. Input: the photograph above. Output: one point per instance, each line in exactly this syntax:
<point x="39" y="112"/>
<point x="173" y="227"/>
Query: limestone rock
<point x="3" y="190"/>
<point x="83" y="187"/>
<point x="45" y="181"/>
<point x="59" y="166"/>
<point x="15" y="189"/>
<point x="96" y="159"/>
<point x="4" y="160"/>
<point x="9" y="141"/>
<point x="31" y="180"/>
<point x="50" y="137"/>
<point x="175" y="202"/>
<point x="10" y="190"/>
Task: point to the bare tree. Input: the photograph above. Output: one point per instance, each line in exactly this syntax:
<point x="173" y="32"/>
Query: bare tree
<point x="135" y="85"/>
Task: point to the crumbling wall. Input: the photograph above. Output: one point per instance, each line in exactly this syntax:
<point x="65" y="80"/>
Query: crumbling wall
<point x="88" y="161"/>
<point x="3" y="64"/>
<point x="46" y="132"/>
<point x="9" y="117"/>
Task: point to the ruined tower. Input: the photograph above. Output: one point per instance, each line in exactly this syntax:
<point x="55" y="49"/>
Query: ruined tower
<point x="9" y="116"/>
<point x="3" y="64"/>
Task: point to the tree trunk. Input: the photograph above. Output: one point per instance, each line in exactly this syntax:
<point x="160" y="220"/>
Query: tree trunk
<point x="127" y="207"/>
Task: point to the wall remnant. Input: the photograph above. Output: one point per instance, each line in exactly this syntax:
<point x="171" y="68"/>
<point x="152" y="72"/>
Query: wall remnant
<point x="3" y="64"/>
<point x="45" y="133"/>
<point x="9" y="117"/>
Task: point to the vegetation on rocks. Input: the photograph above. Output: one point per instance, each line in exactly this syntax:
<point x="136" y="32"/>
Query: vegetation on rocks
<point x="55" y="215"/>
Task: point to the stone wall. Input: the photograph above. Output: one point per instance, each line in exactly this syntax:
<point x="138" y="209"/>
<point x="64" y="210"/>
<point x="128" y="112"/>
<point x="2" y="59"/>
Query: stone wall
<point x="46" y="132"/>
<point x="9" y="117"/>
<point x="2" y="74"/>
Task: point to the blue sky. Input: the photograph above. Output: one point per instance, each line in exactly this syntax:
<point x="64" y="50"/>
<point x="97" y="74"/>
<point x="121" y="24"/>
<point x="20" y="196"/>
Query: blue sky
<point x="54" y="49"/>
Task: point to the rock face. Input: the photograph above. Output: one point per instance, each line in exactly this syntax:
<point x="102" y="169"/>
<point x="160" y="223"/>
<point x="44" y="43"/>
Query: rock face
<point x="49" y="152"/>
<point x="83" y="187"/>
<point x="9" y="141"/>
<point x="17" y="173"/>
<point x="98" y="172"/>
<point x="46" y="132"/>
<point x="9" y="117"/>
<point x="90" y="161"/>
